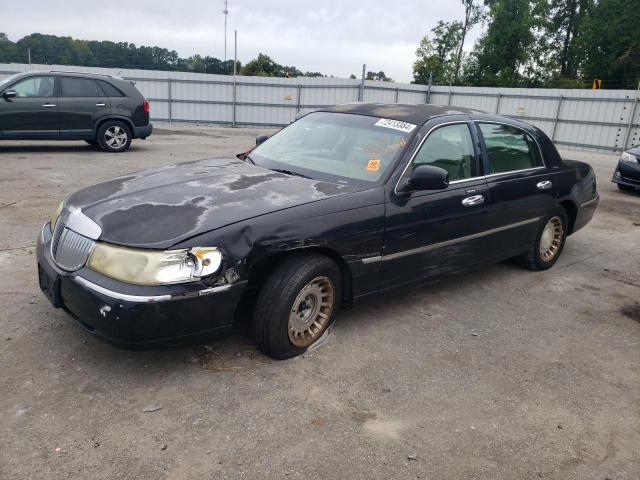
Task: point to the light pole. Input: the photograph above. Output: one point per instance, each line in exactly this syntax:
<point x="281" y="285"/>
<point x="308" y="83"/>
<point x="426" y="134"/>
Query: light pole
<point x="226" y="13"/>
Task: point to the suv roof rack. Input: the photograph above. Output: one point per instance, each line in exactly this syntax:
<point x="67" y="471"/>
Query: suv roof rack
<point x="84" y="73"/>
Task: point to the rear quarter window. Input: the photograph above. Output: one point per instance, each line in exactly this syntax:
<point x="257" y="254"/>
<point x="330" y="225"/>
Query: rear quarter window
<point x="109" y="90"/>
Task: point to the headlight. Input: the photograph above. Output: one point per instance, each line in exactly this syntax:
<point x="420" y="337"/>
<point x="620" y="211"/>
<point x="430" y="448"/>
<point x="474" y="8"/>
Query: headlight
<point x="153" y="267"/>
<point x="627" y="157"/>
<point x="56" y="214"/>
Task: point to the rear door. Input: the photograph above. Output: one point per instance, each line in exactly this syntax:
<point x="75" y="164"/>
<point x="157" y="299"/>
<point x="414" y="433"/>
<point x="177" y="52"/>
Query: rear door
<point x="434" y="232"/>
<point x="81" y="103"/>
<point x="521" y="185"/>
<point x="33" y="112"/>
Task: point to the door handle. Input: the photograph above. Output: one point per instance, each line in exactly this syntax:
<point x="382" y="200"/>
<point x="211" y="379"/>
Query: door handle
<point x="546" y="185"/>
<point x="49" y="105"/>
<point x="472" y="201"/>
<point x="101" y="104"/>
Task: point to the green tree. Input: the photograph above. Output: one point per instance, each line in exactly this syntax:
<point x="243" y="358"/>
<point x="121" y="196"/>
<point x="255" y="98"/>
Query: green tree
<point x="378" y="76"/>
<point x="508" y="53"/>
<point x="565" y="28"/>
<point x="436" y="57"/>
<point x="472" y="15"/>
<point x="612" y="44"/>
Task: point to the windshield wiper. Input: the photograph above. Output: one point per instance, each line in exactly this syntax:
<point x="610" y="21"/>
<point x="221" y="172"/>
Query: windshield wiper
<point x="249" y="159"/>
<point x="289" y="172"/>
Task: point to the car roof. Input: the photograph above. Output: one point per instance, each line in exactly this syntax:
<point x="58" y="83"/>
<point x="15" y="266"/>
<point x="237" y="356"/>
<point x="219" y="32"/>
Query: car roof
<point x="69" y="73"/>
<point x="416" y="114"/>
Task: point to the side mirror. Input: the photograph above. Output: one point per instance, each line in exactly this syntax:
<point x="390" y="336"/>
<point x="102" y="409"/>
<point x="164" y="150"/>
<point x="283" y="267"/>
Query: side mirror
<point x="10" y="94"/>
<point x="261" y="139"/>
<point x="428" y="177"/>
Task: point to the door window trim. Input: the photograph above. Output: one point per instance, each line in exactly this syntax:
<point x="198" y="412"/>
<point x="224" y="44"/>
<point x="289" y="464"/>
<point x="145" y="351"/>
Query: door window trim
<point x="31" y="77"/>
<point x="485" y="152"/>
<point x="417" y="149"/>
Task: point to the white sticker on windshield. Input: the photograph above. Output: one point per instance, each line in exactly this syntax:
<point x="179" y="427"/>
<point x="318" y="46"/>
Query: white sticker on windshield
<point x="396" y="125"/>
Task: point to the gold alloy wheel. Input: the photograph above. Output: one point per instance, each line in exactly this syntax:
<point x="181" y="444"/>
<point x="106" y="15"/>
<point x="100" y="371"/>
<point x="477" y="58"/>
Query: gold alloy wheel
<point x="551" y="239"/>
<point x="311" y="312"/>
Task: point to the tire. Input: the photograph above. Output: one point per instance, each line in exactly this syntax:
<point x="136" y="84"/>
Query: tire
<point x="114" y="136"/>
<point x="625" y="188"/>
<point x="540" y="257"/>
<point x="296" y="305"/>
<point x="93" y="143"/>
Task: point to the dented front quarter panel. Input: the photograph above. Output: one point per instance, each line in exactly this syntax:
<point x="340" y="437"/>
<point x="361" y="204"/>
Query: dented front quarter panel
<point x="350" y="226"/>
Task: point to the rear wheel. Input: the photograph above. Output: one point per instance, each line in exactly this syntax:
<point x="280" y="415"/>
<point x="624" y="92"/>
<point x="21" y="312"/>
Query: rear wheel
<point x="296" y="305"/>
<point x="114" y="136"/>
<point x="547" y="246"/>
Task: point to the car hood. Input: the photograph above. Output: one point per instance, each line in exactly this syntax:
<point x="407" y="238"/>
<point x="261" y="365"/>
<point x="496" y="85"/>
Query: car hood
<point x="160" y="207"/>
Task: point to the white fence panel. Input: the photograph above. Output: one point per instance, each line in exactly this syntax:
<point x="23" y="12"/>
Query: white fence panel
<point x="586" y="119"/>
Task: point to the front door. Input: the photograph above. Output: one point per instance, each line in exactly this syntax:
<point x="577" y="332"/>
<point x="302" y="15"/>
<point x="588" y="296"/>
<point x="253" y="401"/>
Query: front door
<point x="434" y="232"/>
<point x="81" y="103"/>
<point x="33" y="112"/>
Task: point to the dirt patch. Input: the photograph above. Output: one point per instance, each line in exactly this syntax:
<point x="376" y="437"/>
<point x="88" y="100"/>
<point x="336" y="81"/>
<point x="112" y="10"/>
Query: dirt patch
<point x="631" y="311"/>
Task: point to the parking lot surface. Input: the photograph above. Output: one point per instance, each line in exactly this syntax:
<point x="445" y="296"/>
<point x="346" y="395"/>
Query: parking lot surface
<point x="497" y="374"/>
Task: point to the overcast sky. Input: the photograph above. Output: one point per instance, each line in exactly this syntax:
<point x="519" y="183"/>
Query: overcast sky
<point x="334" y="37"/>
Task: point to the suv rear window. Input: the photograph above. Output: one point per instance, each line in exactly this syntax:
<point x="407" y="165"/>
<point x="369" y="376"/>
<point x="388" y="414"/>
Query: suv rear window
<point x="110" y="90"/>
<point x="79" y="87"/>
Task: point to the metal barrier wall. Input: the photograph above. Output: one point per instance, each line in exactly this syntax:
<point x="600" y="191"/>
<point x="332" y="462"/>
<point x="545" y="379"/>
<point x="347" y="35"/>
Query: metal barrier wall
<point x="582" y="119"/>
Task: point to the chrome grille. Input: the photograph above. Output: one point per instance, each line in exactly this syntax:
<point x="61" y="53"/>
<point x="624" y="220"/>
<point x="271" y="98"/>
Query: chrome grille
<point x="69" y="249"/>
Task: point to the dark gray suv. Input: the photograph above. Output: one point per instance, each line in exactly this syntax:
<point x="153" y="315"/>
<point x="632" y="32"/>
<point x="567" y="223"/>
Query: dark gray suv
<point x="102" y="110"/>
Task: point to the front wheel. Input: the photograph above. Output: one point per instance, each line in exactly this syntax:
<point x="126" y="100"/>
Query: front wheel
<point x="625" y="188"/>
<point x="296" y="305"/>
<point x="547" y="246"/>
<point x="114" y="136"/>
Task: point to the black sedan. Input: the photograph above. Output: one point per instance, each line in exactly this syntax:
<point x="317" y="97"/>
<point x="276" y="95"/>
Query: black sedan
<point x="627" y="174"/>
<point x="342" y="204"/>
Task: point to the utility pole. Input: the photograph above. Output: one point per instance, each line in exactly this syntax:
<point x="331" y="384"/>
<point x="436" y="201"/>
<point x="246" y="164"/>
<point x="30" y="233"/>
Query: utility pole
<point x="235" y="62"/>
<point x="226" y="13"/>
<point x="29" y="53"/>
<point x="361" y="92"/>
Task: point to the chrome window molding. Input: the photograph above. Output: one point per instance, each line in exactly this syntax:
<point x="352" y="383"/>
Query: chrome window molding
<point x="495" y="122"/>
<point x="500" y="174"/>
<point x="417" y="149"/>
<point x="480" y="177"/>
<point x="433" y="246"/>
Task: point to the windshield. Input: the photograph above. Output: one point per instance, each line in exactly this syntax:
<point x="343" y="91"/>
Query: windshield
<point x="335" y="147"/>
<point x="7" y="80"/>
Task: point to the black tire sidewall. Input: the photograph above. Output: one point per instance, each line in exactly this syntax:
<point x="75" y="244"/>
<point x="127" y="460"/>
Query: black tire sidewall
<point x="272" y="332"/>
<point x="102" y="142"/>
<point x="540" y="263"/>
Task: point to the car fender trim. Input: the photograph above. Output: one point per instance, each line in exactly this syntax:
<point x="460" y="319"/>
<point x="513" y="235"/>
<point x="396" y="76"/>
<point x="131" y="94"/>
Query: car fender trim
<point x="446" y="243"/>
<point x="149" y="298"/>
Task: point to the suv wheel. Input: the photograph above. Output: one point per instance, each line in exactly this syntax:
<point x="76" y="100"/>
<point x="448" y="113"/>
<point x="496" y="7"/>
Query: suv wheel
<point x="296" y="305"/>
<point x="114" y="136"/>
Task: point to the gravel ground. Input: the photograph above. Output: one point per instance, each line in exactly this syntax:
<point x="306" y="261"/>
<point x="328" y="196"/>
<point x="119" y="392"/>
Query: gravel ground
<point x="499" y="374"/>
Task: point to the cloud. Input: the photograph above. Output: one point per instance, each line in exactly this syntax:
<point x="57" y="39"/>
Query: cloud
<point x="331" y="36"/>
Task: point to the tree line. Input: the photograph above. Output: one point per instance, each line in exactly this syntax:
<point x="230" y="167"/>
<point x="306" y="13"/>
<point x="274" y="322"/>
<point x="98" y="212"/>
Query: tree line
<point x="536" y="43"/>
<point x="51" y="49"/>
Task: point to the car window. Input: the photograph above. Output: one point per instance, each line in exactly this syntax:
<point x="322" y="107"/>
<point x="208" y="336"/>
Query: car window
<point x="451" y="148"/>
<point x="34" y="87"/>
<point x="79" y="87"/>
<point x="509" y="148"/>
<point x="109" y="90"/>
<point x="336" y="147"/>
